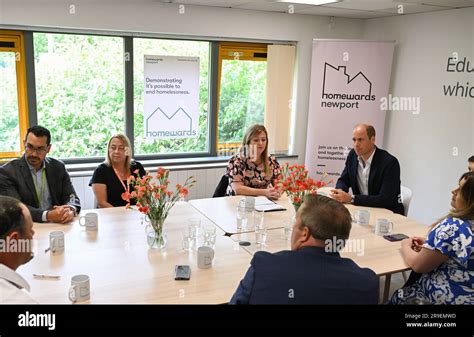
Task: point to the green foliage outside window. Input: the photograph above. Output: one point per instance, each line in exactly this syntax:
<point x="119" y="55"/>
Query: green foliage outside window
<point x="80" y="94"/>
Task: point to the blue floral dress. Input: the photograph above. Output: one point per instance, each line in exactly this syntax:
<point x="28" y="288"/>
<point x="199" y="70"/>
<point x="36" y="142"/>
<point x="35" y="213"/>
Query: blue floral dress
<point x="453" y="281"/>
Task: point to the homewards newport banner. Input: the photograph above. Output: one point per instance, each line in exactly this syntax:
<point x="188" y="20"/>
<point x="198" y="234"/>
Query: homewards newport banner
<point x="171" y="101"/>
<point x="348" y="79"/>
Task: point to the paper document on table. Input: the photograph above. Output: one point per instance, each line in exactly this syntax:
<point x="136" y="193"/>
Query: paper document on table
<point x="263" y="204"/>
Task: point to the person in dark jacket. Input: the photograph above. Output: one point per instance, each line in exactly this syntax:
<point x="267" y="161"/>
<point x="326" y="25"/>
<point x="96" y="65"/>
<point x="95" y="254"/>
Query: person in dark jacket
<point x="313" y="272"/>
<point x="41" y="183"/>
<point x="373" y="174"/>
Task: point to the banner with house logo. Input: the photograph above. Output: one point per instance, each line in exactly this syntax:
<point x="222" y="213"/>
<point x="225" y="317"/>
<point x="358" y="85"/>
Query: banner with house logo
<point x="348" y="81"/>
<point x="171" y="102"/>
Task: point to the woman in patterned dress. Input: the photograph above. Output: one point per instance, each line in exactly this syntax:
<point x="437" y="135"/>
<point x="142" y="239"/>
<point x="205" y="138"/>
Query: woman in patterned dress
<point x="252" y="171"/>
<point x="445" y="259"/>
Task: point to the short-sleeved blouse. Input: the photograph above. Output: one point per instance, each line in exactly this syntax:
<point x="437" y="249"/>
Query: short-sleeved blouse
<point x="104" y="174"/>
<point x="452" y="281"/>
<point x="242" y="169"/>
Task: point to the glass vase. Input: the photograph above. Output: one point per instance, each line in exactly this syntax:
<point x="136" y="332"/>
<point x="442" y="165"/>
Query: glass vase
<point x="156" y="236"/>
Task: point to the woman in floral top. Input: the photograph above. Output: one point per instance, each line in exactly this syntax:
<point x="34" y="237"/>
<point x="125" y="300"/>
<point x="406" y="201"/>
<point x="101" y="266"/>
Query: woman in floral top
<point x="445" y="259"/>
<point x="253" y="171"/>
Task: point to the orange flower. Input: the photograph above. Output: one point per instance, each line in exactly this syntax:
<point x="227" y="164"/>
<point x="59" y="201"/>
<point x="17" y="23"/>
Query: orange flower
<point x="184" y="192"/>
<point x="153" y="196"/>
<point x="294" y="180"/>
<point x="126" y="196"/>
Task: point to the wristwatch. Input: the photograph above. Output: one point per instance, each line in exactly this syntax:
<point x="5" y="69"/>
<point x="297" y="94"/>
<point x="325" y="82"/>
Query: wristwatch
<point x="352" y="199"/>
<point x="73" y="209"/>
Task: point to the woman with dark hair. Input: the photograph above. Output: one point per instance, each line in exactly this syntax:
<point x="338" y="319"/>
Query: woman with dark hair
<point x="252" y="171"/>
<point x="445" y="259"/>
<point x="109" y="180"/>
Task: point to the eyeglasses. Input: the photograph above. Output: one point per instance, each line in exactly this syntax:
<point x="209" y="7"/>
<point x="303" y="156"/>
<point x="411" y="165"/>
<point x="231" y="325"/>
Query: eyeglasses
<point x="40" y="150"/>
<point x="119" y="149"/>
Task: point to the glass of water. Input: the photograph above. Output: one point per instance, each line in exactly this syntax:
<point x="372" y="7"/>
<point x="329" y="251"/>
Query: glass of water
<point x="209" y="236"/>
<point x="258" y="219"/>
<point x="288" y="229"/>
<point x="260" y="235"/>
<point x="194" y="225"/>
<point x="187" y="243"/>
<point x="241" y="218"/>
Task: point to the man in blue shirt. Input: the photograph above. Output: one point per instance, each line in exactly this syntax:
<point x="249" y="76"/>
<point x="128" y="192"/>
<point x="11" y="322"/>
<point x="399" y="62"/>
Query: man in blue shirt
<point x="313" y="272"/>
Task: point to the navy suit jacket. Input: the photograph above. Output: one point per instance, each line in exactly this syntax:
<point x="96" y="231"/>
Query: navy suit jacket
<point x="384" y="181"/>
<point x="306" y="276"/>
<point x="18" y="182"/>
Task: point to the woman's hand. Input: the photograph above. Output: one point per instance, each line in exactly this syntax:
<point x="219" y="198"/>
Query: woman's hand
<point x="413" y="243"/>
<point x="272" y="193"/>
<point x="417" y="243"/>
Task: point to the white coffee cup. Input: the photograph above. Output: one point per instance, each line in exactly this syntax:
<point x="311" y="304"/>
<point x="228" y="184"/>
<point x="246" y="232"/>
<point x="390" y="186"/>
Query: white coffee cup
<point x="205" y="257"/>
<point x="80" y="288"/>
<point x="362" y="217"/>
<point x="383" y="227"/>
<point x="56" y="242"/>
<point x="91" y="221"/>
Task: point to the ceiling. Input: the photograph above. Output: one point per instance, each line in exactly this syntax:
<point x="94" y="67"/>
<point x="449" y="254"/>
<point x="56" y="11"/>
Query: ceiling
<point x="360" y="9"/>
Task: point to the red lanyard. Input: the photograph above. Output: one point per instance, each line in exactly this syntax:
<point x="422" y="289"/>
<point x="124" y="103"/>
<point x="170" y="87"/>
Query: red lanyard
<point x="121" y="181"/>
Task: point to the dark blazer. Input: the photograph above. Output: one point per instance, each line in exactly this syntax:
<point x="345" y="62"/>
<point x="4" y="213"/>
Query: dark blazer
<point x="20" y="184"/>
<point x="306" y="276"/>
<point x="384" y="181"/>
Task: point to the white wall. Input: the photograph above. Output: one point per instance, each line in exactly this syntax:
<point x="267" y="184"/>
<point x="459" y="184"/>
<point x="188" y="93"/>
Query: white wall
<point x="154" y="17"/>
<point x="424" y="143"/>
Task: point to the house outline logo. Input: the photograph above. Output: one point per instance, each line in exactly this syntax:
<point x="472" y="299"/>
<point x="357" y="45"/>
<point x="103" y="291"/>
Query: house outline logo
<point x="344" y="92"/>
<point x="158" y="109"/>
<point x="349" y="79"/>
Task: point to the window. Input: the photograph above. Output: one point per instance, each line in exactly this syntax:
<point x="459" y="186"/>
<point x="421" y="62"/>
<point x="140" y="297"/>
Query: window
<point x="142" y="47"/>
<point x="13" y="107"/>
<point x="80" y="91"/>
<point x="80" y="88"/>
<point x="242" y="91"/>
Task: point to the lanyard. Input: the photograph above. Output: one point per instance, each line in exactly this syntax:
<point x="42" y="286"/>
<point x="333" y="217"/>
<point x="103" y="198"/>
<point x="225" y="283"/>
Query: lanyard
<point x="121" y="181"/>
<point x="40" y="195"/>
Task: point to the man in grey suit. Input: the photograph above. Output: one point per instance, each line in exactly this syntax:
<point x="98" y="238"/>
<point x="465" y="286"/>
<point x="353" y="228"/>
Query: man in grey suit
<point x="41" y="183"/>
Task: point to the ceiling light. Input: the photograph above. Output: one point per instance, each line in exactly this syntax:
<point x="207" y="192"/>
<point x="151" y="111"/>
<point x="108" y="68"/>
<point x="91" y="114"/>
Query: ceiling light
<point x="310" y="2"/>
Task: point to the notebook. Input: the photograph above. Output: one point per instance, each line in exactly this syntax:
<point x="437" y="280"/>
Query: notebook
<point x="263" y="204"/>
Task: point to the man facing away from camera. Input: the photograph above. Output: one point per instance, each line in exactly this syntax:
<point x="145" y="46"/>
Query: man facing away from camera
<point x="313" y="272"/>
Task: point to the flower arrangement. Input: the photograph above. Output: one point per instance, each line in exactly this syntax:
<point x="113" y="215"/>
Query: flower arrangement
<point x="294" y="180"/>
<point x="155" y="199"/>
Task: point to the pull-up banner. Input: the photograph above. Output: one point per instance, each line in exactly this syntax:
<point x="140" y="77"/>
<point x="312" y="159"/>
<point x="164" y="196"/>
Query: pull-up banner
<point x="349" y="82"/>
<point x="171" y="102"/>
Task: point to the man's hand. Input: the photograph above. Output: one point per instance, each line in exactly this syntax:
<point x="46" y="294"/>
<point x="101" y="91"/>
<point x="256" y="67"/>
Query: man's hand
<point x="60" y="214"/>
<point x="340" y="196"/>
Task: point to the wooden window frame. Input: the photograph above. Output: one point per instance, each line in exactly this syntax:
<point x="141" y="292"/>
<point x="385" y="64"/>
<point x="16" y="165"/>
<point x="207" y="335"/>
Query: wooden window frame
<point x="19" y="49"/>
<point x="234" y="51"/>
